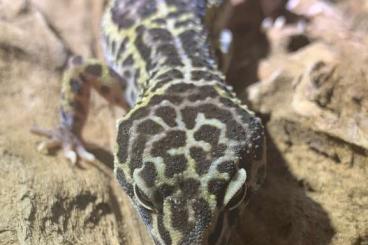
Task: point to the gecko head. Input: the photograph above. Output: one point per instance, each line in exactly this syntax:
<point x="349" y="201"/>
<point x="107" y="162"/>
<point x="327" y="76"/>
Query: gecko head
<point x="189" y="212"/>
<point x="189" y="158"/>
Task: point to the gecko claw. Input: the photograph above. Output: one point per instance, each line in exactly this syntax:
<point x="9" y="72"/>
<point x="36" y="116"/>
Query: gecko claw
<point x="84" y="154"/>
<point x="71" y="156"/>
<point x="45" y="146"/>
<point x="63" y="138"/>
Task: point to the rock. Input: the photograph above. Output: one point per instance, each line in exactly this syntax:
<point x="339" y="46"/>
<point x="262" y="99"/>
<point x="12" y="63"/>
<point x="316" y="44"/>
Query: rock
<point x="314" y="101"/>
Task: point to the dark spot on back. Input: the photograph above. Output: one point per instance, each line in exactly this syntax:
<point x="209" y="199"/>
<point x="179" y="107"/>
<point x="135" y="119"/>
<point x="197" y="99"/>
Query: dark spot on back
<point x="159" y="21"/>
<point x="147" y="9"/>
<point x="181" y="88"/>
<point x="171" y="54"/>
<point x="202" y="93"/>
<point x="122" y="48"/>
<point x="113" y="47"/>
<point x="213" y="111"/>
<point x="157" y="99"/>
<point x="142" y="47"/>
<point x="94" y="70"/>
<point x="180" y="5"/>
<point x="120" y="17"/>
<point x="160" y="34"/>
<point x="189" y="115"/>
<point x="128" y="61"/>
<point x="166" y="78"/>
<point x="205" y="75"/>
<point x="169" y="76"/>
<point x="76" y="85"/>
<point x="183" y="23"/>
<point x="189" y="43"/>
<point x="195" y="48"/>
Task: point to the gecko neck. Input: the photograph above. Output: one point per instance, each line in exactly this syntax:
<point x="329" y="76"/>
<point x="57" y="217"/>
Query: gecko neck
<point x="178" y="48"/>
<point x="154" y="42"/>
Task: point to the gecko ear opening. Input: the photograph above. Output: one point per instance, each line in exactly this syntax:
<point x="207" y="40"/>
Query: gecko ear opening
<point x="236" y="190"/>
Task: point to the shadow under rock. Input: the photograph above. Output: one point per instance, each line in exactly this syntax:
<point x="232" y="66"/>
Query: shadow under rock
<point x="281" y="211"/>
<point x="250" y="44"/>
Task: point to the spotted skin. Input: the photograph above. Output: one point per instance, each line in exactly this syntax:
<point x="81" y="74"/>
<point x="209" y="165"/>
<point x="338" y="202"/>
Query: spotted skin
<point x="78" y="80"/>
<point x="187" y="152"/>
<point x="184" y="160"/>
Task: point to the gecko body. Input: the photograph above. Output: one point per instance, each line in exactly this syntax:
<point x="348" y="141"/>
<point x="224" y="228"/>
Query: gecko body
<point x="187" y="153"/>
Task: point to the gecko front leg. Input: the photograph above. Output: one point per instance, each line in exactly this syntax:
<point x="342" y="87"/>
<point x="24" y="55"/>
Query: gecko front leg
<point x="78" y="79"/>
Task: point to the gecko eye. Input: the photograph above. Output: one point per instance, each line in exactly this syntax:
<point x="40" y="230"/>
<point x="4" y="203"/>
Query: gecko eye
<point x="236" y="190"/>
<point x="238" y="198"/>
<point x="143" y="199"/>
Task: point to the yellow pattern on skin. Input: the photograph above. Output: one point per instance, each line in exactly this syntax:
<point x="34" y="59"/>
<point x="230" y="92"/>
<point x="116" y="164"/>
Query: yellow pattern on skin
<point x="113" y="32"/>
<point x="186" y="135"/>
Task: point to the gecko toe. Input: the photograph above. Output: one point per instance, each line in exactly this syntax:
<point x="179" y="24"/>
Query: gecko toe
<point x="71" y="156"/>
<point x="71" y="144"/>
<point x="84" y="154"/>
<point x="46" y="146"/>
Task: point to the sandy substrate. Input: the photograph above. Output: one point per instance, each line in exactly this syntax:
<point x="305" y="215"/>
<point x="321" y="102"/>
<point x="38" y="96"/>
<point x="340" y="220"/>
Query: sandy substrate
<point x="309" y="83"/>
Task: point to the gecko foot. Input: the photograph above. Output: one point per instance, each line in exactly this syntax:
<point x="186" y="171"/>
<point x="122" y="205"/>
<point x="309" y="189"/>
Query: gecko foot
<point x="60" y="137"/>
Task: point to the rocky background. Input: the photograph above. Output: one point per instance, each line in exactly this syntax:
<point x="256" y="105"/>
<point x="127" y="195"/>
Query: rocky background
<point x="305" y="74"/>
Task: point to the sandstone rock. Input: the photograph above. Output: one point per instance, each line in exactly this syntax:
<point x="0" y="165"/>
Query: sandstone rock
<point x="317" y="111"/>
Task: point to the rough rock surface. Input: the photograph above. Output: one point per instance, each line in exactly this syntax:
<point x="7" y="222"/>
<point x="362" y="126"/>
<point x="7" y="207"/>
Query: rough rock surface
<point x="314" y="99"/>
<point x="309" y="84"/>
